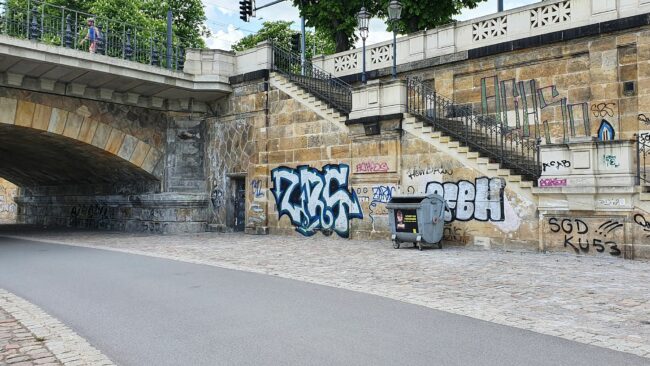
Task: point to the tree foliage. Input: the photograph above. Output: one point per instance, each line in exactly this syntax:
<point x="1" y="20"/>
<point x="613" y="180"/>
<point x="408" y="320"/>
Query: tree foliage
<point x="188" y="22"/>
<point x="337" y="19"/>
<point x="279" y="32"/>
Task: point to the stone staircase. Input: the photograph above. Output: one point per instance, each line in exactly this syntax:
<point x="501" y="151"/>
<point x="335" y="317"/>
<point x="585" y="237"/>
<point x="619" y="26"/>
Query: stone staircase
<point x="467" y="157"/>
<point x="521" y="184"/>
<point x="296" y="92"/>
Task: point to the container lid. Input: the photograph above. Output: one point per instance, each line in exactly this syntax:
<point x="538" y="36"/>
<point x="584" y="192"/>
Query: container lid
<point x="407" y="199"/>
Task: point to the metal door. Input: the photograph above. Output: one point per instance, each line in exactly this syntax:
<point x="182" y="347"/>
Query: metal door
<point x="240" y="204"/>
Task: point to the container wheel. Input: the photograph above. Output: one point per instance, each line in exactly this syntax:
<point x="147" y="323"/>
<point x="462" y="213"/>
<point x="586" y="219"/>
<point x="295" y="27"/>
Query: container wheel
<point x="395" y="244"/>
<point x="420" y="246"/>
<point x="440" y="244"/>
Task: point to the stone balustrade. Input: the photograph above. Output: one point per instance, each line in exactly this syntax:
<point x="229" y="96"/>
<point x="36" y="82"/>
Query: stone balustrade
<point x="526" y="21"/>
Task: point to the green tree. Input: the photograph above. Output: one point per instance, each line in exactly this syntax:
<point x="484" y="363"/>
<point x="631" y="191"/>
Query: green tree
<point x="188" y="19"/>
<point x="151" y="15"/>
<point x="279" y="32"/>
<point x="337" y="19"/>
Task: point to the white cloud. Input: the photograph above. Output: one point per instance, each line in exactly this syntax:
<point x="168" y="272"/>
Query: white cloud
<point x="225" y="11"/>
<point x="281" y="11"/>
<point x="376" y="32"/>
<point x="223" y="40"/>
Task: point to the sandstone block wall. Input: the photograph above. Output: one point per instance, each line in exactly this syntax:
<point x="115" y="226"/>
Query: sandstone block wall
<point x="308" y="175"/>
<point x="8" y="208"/>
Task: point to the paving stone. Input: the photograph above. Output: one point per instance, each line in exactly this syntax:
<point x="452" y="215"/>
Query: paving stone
<point x="19" y="346"/>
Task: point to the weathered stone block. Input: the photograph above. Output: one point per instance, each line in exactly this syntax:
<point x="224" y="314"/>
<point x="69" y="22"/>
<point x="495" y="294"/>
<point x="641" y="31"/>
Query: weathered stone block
<point x="57" y="121"/>
<point x="25" y="113"/>
<point x="114" y="141"/>
<point x="8" y="110"/>
<point x="42" y="115"/>
<point x="73" y="125"/>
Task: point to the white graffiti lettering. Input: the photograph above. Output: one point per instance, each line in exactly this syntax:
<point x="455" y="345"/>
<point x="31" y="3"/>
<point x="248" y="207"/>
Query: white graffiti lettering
<point x="481" y="200"/>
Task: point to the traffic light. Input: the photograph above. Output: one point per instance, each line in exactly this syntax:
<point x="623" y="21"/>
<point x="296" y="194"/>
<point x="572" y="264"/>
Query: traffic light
<point x="295" y="43"/>
<point x="245" y="9"/>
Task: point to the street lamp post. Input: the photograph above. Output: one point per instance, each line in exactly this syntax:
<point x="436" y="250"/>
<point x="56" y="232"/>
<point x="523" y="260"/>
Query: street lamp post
<point x="394" y="14"/>
<point x="363" y="18"/>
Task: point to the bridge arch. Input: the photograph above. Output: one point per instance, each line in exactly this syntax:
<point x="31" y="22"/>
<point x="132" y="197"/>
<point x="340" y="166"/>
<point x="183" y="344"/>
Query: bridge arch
<point x="42" y="145"/>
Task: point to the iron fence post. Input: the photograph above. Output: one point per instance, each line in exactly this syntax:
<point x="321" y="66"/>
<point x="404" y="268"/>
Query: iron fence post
<point x="68" y="32"/>
<point x="128" y="49"/>
<point x="29" y="8"/>
<point x="63" y="23"/>
<point x="33" y="26"/>
<point x="100" y="40"/>
<point x="155" y="57"/>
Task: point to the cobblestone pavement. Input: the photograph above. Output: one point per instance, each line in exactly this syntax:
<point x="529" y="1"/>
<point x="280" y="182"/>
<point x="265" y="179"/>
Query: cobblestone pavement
<point x="18" y="346"/>
<point x="595" y="300"/>
<point x="30" y="337"/>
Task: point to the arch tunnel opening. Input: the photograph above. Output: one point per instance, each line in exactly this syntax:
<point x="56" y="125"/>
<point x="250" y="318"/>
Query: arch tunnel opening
<point x="54" y="180"/>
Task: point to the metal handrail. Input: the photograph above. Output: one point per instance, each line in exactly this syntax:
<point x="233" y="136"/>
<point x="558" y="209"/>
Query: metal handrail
<point x="320" y="83"/>
<point x="504" y="144"/>
<point x="60" y="26"/>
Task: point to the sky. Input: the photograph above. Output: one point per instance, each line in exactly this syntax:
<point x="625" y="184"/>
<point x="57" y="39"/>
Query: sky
<point x="227" y="28"/>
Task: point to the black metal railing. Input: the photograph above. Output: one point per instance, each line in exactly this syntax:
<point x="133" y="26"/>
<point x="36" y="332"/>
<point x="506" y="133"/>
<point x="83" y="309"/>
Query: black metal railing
<point x="321" y="84"/>
<point x="60" y="26"/>
<point x="503" y="144"/>
<point x="642" y="153"/>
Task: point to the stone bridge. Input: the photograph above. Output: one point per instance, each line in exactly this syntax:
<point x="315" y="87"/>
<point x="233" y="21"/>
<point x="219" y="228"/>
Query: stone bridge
<point x="234" y="141"/>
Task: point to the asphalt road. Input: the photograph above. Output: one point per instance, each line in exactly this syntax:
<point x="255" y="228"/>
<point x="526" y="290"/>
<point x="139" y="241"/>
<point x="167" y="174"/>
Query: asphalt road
<point x="140" y="310"/>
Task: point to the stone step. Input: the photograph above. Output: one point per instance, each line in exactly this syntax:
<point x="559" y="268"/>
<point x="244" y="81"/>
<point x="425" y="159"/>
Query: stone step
<point x="503" y="172"/>
<point x="463" y="149"/>
<point x="436" y="134"/>
<point x="472" y="155"/>
<point x="644" y="196"/>
<point x="214" y="228"/>
<point x="483" y="161"/>
<point x="514" y="178"/>
<point x="493" y="166"/>
<point x="453" y="144"/>
<point x="526" y="184"/>
<point x="445" y="139"/>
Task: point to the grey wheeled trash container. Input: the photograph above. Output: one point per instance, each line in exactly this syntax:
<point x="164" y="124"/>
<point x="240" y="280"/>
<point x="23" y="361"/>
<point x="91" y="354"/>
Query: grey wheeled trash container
<point x="417" y="219"/>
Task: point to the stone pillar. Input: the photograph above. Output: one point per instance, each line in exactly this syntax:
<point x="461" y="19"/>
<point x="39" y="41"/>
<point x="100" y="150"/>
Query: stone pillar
<point x="379" y="99"/>
<point x="587" y="197"/>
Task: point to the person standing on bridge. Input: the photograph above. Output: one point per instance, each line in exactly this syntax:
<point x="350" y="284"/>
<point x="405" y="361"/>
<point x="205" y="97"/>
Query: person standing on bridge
<point x="92" y="36"/>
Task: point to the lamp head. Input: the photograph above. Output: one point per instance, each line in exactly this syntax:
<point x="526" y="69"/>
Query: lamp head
<point x="394" y="10"/>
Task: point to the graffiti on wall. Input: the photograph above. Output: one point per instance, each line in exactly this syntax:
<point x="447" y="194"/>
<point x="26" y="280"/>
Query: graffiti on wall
<point x="552" y="182"/>
<point x="603" y="109"/>
<point x="316" y="200"/>
<point x="481" y="200"/>
<point x="644" y="119"/>
<point x="371" y="166"/>
<point x="8" y="208"/>
<point x="256" y="184"/>
<point x="611" y="161"/>
<point x="606" y="131"/>
<point x="587" y="235"/>
<point x="640" y="220"/>
<point x="453" y="233"/>
<point x="555" y="165"/>
<point x="526" y="102"/>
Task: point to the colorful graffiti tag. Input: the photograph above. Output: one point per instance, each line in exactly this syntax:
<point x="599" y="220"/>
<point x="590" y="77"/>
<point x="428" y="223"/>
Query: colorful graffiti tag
<point x="482" y="200"/>
<point x="316" y="200"/>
